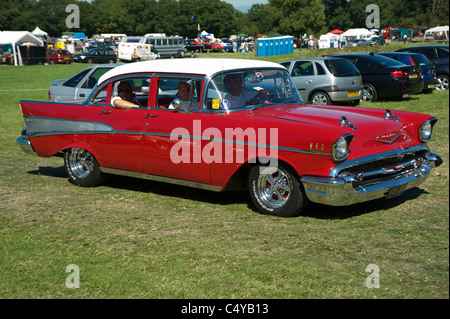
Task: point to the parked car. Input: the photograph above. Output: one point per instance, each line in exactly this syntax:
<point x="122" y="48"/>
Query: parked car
<point x="378" y="40"/>
<point x="326" y="80"/>
<point x="384" y="77"/>
<point x="439" y="55"/>
<point x="79" y="86"/>
<point x="427" y="68"/>
<point x="284" y="152"/>
<point x="57" y="56"/>
<point x="359" y="42"/>
<point x="96" y="56"/>
<point x="193" y="46"/>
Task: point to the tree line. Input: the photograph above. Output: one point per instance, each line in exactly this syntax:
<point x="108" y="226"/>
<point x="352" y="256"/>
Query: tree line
<point x="183" y="17"/>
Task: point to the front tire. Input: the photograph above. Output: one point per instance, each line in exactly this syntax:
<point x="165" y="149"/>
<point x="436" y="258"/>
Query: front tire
<point x="276" y="191"/>
<point x="442" y="82"/>
<point x="82" y="167"/>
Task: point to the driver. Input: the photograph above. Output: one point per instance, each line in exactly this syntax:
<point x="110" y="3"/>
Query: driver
<point x="125" y="98"/>
<point x="237" y="97"/>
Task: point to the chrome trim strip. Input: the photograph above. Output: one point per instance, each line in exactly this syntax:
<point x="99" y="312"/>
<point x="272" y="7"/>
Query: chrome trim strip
<point x="161" y="179"/>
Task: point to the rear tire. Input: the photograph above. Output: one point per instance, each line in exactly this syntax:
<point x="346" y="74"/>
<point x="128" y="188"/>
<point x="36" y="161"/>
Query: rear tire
<point x="370" y="93"/>
<point x="276" y="191"/>
<point x="82" y="167"/>
<point x="443" y="82"/>
<point x="320" y="98"/>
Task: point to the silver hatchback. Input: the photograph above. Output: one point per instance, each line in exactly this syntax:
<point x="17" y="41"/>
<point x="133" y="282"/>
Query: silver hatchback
<point x="326" y="80"/>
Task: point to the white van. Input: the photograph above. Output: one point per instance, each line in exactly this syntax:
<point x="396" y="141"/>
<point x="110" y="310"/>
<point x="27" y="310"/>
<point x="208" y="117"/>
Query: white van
<point x="131" y="49"/>
<point x="328" y="40"/>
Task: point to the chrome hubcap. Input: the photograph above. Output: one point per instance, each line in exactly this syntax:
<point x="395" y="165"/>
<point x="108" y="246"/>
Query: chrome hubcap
<point x="442" y="83"/>
<point x="81" y="162"/>
<point x="274" y="189"/>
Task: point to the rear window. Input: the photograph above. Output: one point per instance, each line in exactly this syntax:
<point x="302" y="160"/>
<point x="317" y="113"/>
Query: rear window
<point x="420" y="59"/>
<point x="341" y="68"/>
<point x="384" y="61"/>
<point x="64" y="52"/>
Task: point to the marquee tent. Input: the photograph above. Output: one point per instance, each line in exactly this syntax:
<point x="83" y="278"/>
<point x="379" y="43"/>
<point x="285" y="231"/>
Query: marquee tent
<point x="358" y="33"/>
<point x="441" y="30"/>
<point x="38" y="32"/>
<point x="16" y="38"/>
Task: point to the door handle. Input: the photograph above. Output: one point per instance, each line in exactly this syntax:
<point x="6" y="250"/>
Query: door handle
<point x="82" y="95"/>
<point x="309" y="81"/>
<point x="104" y="112"/>
<point x="147" y="116"/>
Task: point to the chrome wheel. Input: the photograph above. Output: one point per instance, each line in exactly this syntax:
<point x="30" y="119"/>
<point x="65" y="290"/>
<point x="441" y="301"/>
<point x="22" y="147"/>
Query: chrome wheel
<point x="320" y="98"/>
<point x="370" y="93"/>
<point x="80" y="162"/>
<point x="442" y="82"/>
<point x="274" y="189"/>
<point x="82" y="167"/>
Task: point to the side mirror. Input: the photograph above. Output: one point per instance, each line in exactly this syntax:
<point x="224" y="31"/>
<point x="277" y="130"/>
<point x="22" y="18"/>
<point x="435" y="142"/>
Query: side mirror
<point x="178" y="104"/>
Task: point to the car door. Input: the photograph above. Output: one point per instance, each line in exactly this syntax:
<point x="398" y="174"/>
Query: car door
<point x="303" y="75"/>
<point x="172" y="139"/>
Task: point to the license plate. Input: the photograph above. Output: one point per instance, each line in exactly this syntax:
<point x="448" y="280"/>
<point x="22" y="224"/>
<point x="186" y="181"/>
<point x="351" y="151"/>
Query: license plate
<point x="396" y="191"/>
<point x="66" y="58"/>
<point x="413" y="76"/>
<point x="352" y="94"/>
<point x="431" y="86"/>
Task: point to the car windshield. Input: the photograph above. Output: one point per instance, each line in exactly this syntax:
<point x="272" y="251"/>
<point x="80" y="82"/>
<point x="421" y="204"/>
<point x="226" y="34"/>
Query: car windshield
<point x="341" y="68"/>
<point x="420" y="59"/>
<point x="250" y="88"/>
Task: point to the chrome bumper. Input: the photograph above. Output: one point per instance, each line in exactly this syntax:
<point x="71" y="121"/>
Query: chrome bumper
<point x="25" y="143"/>
<point x="347" y="189"/>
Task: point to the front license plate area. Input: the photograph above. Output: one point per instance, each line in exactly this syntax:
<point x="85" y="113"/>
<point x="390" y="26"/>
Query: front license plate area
<point x="396" y="191"/>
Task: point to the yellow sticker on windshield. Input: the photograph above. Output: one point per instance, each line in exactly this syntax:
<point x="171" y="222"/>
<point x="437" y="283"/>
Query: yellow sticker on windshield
<point x="216" y="104"/>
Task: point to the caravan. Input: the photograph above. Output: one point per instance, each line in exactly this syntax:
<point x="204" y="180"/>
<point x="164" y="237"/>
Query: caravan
<point x="329" y="40"/>
<point x="150" y="47"/>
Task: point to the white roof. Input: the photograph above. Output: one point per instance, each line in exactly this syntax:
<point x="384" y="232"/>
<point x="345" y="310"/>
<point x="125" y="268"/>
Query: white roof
<point x="38" y="31"/>
<point x="354" y="32"/>
<point x="9" y="37"/>
<point x="206" y="67"/>
<point x="438" y="29"/>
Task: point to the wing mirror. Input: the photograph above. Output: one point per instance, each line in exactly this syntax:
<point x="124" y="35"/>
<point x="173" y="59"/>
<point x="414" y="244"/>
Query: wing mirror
<point x="178" y="104"/>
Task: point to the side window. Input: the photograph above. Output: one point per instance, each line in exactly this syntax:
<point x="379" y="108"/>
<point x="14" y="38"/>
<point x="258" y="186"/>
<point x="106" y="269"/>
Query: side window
<point x="320" y="70"/>
<point x="443" y="54"/>
<point x="429" y="52"/>
<point x="91" y="81"/>
<point x="73" y="81"/>
<point x="361" y="65"/>
<point x="303" y="68"/>
<point x="175" y="91"/>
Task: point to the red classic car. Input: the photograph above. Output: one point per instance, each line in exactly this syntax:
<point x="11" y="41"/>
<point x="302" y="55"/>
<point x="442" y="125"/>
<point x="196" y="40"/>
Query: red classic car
<point x="227" y="124"/>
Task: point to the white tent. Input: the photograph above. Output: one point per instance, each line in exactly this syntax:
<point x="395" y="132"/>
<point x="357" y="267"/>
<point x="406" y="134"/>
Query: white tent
<point x="441" y="30"/>
<point x="357" y="34"/>
<point x="16" y="38"/>
<point x="38" y="32"/>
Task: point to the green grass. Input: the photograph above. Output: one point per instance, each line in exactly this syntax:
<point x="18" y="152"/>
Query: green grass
<point x="140" y="239"/>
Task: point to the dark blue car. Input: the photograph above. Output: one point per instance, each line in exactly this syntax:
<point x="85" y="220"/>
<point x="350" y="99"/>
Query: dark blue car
<point x="438" y="54"/>
<point x="428" y="69"/>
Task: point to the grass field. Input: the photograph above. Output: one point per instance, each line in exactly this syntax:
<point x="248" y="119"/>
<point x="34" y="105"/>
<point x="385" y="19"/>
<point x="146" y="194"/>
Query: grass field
<point x="140" y="239"/>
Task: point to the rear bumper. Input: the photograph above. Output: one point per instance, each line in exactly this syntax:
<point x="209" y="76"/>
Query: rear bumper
<point x="25" y="145"/>
<point x="347" y="189"/>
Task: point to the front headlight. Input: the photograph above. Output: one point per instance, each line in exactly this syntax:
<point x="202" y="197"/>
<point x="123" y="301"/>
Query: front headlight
<point x="341" y="148"/>
<point x="426" y="130"/>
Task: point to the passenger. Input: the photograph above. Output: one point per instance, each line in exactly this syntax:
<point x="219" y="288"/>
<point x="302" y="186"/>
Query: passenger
<point x="125" y="99"/>
<point x="237" y="97"/>
<point x="184" y="92"/>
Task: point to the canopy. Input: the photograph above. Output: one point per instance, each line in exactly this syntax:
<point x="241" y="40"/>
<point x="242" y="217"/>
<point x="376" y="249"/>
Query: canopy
<point x="17" y="38"/>
<point x="357" y="33"/>
<point x="38" y="32"/>
<point x="336" y="31"/>
<point x="443" y="29"/>
<point x="242" y="35"/>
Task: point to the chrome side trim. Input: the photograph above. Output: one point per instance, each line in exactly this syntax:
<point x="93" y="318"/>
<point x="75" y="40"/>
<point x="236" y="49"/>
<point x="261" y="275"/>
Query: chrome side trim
<point x="161" y="179"/>
<point x="53" y="126"/>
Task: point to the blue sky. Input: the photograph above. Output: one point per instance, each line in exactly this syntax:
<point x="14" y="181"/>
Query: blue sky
<point x="244" y="5"/>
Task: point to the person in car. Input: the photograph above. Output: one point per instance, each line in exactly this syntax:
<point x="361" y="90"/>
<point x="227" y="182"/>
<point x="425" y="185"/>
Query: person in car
<point x="237" y="97"/>
<point x="184" y="92"/>
<point x="125" y="98"/>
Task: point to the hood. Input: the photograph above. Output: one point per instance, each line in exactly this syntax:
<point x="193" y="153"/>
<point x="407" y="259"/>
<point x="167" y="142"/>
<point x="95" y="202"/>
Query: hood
<point x="371" y="127"/>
